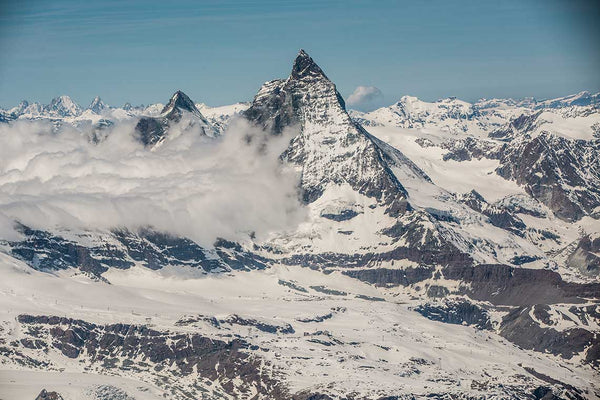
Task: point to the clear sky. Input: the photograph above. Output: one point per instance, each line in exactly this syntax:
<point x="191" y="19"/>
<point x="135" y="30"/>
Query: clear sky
<point x="220" y="52"/>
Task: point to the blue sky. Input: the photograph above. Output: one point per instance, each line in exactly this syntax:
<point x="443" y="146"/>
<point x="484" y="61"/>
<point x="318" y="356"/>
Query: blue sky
<point x="220" y="52"/>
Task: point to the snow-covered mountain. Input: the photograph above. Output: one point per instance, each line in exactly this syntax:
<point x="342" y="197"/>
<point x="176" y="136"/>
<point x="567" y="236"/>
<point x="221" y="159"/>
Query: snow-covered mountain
<point x="63" y="106"/>
<point x="179" y="110"/>
<point x="430" y="250"/>
<point x="97" y="105"/>
<point x="451" y="115"/>
<point x="459" y="117"/>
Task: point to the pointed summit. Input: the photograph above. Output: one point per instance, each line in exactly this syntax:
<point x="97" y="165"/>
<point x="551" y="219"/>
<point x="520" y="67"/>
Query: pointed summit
<point x="97" y="105"/>
<point x="20" y="109"/>
<point x="330" y="149"/>
<point x="304" y="66"/>
<point x="63" y="106"/>
<point x="181" y="108"/>
<point x="180" y="101"/>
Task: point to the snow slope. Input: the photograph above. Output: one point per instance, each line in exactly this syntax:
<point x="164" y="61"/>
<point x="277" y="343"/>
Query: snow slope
<point x="368" y="347"/>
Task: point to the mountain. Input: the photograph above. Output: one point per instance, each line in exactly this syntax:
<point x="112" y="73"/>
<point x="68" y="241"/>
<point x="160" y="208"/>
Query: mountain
<point x="451" y="115"/>
<point x="60" y="107"/>
<point x="445" y="250"/>
<point x="331" y="149"/>
<point x="562" y="173"/>
<point x="220" y="116"/>
<point x="548" y="147"/>
<point x="459" y="117"/>
<point x="63" y="106"/>
<point x="580" y="99"/>
<point x="354" y="182"/>
<point x="97" y="105"/>
<point x="5" y="117"/>
<point x="25" y="109"/>
<point x="180" y="109"/>
<point x="551" y="154"/>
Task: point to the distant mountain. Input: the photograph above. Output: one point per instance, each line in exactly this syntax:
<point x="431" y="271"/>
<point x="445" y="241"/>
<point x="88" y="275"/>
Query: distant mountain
<point x="220" y="116"/>
<point x="457" y="116"/>
<point x="180" y="109"/>
<point x="97" y="105"/>
<point x="63" y="107"/>
<point x="580" y="99"/>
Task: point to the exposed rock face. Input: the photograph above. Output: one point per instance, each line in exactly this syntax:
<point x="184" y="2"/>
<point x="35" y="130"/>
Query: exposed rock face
<point x="180" y="109"/>
<point x="498" y="216"/>
<point x="240" y="321"/>
<point x="117" y="345"/>
<point x="331" y="149"/>
<point x="63" y="106"/>
<point x="564" y="174"/>
<point x="122" y="248"/>
<point x="519" y="327"/>
<point x="45" y="395"/>
<point x="505" y="285"/>
<point x="467" y="149"/>
<point x="392" y="277"/>
<point x="6" y="117"/>
<point x="516" y="127"/>
<point x="97" y="105"/>
<point x="44" y="251"/>
<point x="457" y="312"/>
<point x="586" y="257"/>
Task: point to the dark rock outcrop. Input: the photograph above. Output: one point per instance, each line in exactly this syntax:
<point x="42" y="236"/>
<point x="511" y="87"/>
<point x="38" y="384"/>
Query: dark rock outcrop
<point x="562" y="173"/>
<point x="116" y="346"/>
<point x="153" y="130"/>
<point x="460" y="312"/>
<point x="518" y="327"/>
<point x="498" y="216"/>
<point x="122" y="248"/>
<point x="506" y="285"/>
<point x="467" y="149"/>
<point x="585" y="257"/>
<point x="45" y="395"/>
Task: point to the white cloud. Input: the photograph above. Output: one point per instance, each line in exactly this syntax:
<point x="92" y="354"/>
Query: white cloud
<point x="363" y="95"/>
<point x="190" y="185"/>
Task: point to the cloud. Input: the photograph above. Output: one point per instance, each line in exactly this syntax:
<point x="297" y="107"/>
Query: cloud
<point x="363" y="95"/>
<point x="190" y="185"/>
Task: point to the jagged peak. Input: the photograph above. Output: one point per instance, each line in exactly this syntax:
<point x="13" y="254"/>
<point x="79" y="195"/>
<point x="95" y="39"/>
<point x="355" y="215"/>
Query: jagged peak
<point x="305" y="66"/>
<point x="181" y="101"/>
<point x="64" y="105"/>
<point x="63" y="99"/>
<point x="97" y="105"/>
<point x="475" y="195"/>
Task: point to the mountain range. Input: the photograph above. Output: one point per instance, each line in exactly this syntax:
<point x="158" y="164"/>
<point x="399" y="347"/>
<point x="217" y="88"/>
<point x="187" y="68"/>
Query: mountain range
<point x="446" y="250"/>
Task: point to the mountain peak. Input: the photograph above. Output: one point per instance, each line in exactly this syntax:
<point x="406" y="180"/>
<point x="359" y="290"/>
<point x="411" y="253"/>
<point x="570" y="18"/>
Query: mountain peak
<point x="305" y="66"/>
<point x="64" y="106"/>
<point x="63" y="99"/>
<point x="180" y="101"/>
<point x="97" y="105"/>
<point x="153" y="130"/>
<point x="330" y="149"/>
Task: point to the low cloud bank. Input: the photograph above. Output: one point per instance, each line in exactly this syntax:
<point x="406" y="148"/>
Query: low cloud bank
<point x="190" y="185"/>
